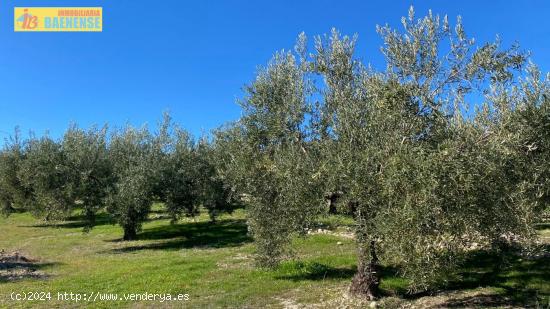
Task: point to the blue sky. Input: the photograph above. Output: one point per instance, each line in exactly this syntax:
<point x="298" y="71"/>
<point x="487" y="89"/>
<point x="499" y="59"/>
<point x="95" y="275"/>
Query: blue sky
<point x="192" y="58"/>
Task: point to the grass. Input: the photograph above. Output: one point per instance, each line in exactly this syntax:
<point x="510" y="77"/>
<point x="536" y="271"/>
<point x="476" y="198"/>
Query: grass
<point x="213" y="263"/>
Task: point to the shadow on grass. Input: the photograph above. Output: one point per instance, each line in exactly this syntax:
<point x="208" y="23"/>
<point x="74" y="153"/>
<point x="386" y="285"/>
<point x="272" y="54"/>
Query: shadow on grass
<point x="15" y="210"/>
<point x="393" y="284"/>
<point x="510" y="280"/>
<point x="299" y="271"/>
<point x="542" y="226"/>
<point x="77" y="221"/>
<point x="20" y="270"/>
<point x="516" y="280"/>
<point x="225" y="233"/>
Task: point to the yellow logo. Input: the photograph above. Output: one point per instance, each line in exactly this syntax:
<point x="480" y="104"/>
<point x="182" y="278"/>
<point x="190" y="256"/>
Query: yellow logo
<point x="58" y="19"/>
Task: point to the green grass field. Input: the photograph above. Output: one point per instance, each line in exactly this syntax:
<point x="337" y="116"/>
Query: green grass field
<point x="213" y="264"/>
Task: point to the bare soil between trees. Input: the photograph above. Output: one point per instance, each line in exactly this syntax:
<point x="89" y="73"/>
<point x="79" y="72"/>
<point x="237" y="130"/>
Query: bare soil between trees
<point x="16" y="266"/>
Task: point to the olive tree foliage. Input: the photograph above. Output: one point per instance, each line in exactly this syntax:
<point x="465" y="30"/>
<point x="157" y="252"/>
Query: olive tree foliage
<point x="90" y="171"/>
<point x="530" y="122"/>
<point x="44" y="172"/>
<point x="180" y="185"/>
<point x="268" y="157"/>
<point x="130" y="200"/>
<point x="123" y="173"/>
<point x="51" y="178"/>
<point x="186" y="174"/>
<point x="166" y="166"/>
<point x="498" y="162"/>
<point x="216" y="194"/>
<point x="427" y="181"/>
<point x="13" y="194"/>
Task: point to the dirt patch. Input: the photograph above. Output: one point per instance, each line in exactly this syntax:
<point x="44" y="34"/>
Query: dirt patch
<point x="288" y="303"/>
<point x="478" y="298"/>
<point x="15" y="266"/>
<point x="343" y="299"/>
<point x="339" y="297"/>
<point x="339" y="233"/>
<point x="334" y="297"/>
<point x="237" y="261"/>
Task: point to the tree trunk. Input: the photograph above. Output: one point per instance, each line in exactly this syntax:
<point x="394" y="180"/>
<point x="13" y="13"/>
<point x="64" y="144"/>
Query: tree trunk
<point x="129" y="233"/>
<point x="213" y="214"/>
<point x="7" y="208"/>
<point x="332" y="204"/>
<point x="90" y="218"/>
<point x="367" y="280"/>
<point x="352" y="208"/>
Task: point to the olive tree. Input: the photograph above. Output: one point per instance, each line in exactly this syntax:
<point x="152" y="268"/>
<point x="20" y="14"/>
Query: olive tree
<point x="415" y="167"/>
<point x="427" y="174"/>
<point x="530" y="122"/>
<point x="267" y="146"/>
<point x="180" y="177"/>
<point x="89" y="168"/>
<point x="130" y="200"/>
<point x="185" y="174"/>
<point x="13" y="194"/>
<point x="216" y="194"/>
<point x="44" y="172"/>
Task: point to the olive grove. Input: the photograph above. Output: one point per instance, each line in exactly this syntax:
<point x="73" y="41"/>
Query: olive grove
<point x="121" y="174"/>
<point x="445" y="149"/>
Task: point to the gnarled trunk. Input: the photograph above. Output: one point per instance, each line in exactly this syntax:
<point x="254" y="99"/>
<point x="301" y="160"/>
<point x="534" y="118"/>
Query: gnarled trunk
<point x="332" y="198"/>
<point x="129" y="233"/>
<point x="90" y="219"/>
<point x="367" y="280"/>
<point x="7" y="208"/>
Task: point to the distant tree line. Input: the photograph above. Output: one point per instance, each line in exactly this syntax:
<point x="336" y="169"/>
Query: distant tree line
<point x="122" y="173"/>
<point x="449" y="146"/>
